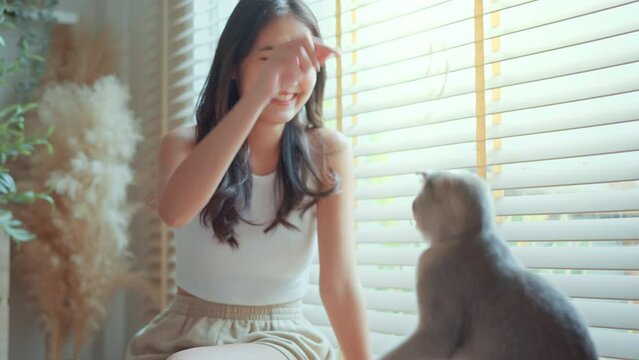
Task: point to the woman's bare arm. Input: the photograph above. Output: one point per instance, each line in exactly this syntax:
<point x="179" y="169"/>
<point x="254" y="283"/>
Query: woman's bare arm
<point x="340" y="289"/>
<point x="189" y="174"/>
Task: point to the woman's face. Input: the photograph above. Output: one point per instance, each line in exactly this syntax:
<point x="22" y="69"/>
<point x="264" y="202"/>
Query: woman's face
<point x="278" y="31"/>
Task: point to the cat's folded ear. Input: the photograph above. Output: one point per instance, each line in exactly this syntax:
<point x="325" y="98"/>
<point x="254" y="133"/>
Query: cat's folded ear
<point x="423" y="174"/>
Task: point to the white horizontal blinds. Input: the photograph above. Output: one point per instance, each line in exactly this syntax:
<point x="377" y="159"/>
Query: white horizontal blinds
<point x="324" y="11"/>
<point x="567" y="157"/>
<point x="561" y="135"/>
<point x="194" y="27"/>
<point x="179" y="30"/>
<point x="149" y="89"/>
<point x="209" y="24"/>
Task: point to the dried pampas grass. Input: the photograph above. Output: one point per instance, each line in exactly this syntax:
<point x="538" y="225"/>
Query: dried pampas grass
<point x="80" y="254"/>
<point x="79" y="55"/>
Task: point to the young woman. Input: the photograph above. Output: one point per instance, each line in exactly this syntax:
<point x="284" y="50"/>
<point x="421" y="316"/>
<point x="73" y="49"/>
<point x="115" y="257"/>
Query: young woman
<point x="247" y="189"/>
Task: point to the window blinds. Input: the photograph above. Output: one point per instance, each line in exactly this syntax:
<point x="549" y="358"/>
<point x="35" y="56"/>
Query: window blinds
<point x="541" y="97"/>
<point x="546" y="106"/>
<point x="195" y="27"/>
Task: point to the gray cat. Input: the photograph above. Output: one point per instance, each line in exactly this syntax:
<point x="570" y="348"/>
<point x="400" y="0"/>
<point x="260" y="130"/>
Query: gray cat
<point x="476" y="301"/>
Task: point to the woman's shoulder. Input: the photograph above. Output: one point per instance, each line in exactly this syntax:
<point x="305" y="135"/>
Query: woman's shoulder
<point x="181" y="136"/>
<point x="331" y="141"/>
<point x="178" y="142"/>
<point x="182" y="133"/>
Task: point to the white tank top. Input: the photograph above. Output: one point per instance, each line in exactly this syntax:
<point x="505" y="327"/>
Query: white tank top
<point x="267" y="268"/>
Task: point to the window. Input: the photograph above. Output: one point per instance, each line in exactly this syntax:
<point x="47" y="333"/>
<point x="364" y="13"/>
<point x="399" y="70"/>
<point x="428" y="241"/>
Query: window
<point x="546" y="107"/>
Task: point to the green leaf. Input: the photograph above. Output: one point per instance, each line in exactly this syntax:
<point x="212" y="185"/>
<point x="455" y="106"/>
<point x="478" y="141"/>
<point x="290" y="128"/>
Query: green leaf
<point x="46" y="198"/>
<point x="37" y="58"/>
<point x="29" y="106"/>
<point x="23" y="44"/>
<point x="49" y="131"/>
<point x="19" y="234"/>
<point x="9" y="109"/>
<point x="24" y="197"/>
<point x="13" y="66"/>
<point x="9" y="25"/>
<point x="7" y="185"/>
<point x="16" y="133"/>
<point x="5" y="216"/>
<point x="29" y="196"/>
<point x="36" y="141"/>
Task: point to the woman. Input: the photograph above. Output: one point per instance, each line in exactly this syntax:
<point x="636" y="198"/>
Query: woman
<point x="247" y="188"/>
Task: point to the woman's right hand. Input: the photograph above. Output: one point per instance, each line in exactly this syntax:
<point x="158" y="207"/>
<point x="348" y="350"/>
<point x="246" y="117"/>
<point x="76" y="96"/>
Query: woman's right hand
<point x="288" y="63"/>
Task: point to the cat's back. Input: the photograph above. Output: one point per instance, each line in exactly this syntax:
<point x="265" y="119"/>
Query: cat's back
<point x="516" y="314"/>
<point x="477" y="264"/>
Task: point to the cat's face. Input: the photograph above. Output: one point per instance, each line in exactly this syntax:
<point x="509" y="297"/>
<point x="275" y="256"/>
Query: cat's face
<point x="452" y="205"/>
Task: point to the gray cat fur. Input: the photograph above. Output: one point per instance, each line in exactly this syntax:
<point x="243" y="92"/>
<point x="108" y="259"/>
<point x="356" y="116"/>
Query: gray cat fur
<point x="476" y="301"/>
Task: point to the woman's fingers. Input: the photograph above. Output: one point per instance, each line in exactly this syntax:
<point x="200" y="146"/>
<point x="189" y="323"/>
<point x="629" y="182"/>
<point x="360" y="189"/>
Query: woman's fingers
<point x="305" y="61"/>
<point x="299" y="56"/>
<point x="309" y="45"/>
<point x="324" y="51"/>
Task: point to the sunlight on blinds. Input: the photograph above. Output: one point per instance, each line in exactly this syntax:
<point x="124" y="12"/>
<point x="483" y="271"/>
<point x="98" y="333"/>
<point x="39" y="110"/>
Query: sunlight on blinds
<point x="562" y="144"/>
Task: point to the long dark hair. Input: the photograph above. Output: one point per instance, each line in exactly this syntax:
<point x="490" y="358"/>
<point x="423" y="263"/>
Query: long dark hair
<point x="297" y="174"/>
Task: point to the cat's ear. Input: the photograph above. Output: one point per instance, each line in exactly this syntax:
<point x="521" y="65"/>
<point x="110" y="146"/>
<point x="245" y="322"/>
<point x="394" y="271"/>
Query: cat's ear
<point x="423" y="174"/>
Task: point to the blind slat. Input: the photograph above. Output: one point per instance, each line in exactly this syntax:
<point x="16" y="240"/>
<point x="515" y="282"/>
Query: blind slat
<point x="620" y="200"/>
<point x="593" y="55"/>
<point x="462" y="131"/>
<point x="572" y="257"/>
<point x="537" y="14"/>
<point x="595" y="201"/>
<point x="588" y="170"/>
<point x="610" y="139"/>
<point x="596" y="313"/>
<point x="180" y="5"/>
<point x="441" y="47"/>
<point x="519" y="122"/>
<point x="609" y="315"/>
<point x="613" y="80"/>
<point x="459" y="13"/>
<point x="378" y="321"/>
<point x="448" y="13"/>
<point x="546" y="230"/>
<point x="609" y="287"/>
<point x="614" y="344"/>
<point x="609" y="343"/>
<point x="385" y="13"/>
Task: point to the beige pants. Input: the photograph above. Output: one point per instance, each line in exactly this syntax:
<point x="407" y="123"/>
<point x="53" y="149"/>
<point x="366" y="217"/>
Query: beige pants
<point x="191" y="322"/>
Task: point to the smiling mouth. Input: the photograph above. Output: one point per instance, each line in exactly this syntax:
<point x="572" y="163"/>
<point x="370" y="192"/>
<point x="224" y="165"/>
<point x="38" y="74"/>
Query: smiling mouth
<point x="284" y="98"/>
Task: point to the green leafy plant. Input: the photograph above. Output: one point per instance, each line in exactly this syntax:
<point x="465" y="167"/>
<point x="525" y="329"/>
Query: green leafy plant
<point x="21" y="74"/>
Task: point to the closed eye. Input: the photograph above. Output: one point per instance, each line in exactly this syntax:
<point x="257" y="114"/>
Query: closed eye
<point x="265" y="49"/>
